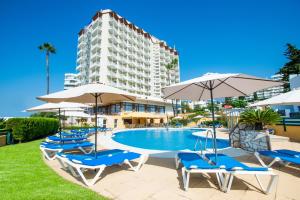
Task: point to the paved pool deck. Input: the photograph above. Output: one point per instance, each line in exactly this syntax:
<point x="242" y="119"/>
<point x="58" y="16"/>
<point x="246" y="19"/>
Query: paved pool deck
<point x="158" y="179"/>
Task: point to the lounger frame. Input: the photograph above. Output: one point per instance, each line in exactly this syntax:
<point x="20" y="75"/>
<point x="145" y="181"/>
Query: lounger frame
<point x="77" y="169"/>
<point x="276" y="159"/>
<point x="229" y="176"/>
<point x="187" y="172"/>
<point x="50" y="154"/>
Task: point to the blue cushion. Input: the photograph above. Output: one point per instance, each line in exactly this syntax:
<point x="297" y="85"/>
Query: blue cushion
<point x="107" y="160"/>
<point x="57" y="139"/>
<point x="289" y="152"/>
<point x="84" y="156"/>
<point x="229" y="163"/>
<point x="68" y="146"/>
<point x="284" y="157"/>
<point x="194" y="161"/>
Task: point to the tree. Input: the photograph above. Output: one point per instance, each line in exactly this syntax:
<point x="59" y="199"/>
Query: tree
<point x="48" y="48"/>
<point x="292" y="66"/>
<point x="44" y="114"/>
<point x="171" y="66"/>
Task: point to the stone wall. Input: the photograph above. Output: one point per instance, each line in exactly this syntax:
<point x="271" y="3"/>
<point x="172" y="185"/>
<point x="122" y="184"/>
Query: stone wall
<point x="252" y="140"/>
<point x="245" y="137"/>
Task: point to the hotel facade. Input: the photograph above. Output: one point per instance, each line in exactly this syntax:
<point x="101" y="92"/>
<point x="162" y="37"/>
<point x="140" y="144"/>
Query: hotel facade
<point x="113" y="51"/>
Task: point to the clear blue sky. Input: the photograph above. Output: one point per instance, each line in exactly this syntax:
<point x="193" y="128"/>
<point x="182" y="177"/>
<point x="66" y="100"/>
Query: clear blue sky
<point x="247" y="36"/>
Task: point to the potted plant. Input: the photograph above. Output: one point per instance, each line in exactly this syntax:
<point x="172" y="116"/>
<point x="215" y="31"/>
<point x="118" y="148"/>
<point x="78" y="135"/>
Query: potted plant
<point x="259" y="118"/>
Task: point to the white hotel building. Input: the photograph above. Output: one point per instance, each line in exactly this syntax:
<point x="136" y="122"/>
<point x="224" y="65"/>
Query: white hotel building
<point x="113" y="51"/>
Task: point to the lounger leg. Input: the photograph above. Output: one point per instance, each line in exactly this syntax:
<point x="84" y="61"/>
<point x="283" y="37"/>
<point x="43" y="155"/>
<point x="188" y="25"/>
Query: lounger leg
<point x="142" y="161"/>
<point x="260" y="184"/>
<point x="176" y="162"/>
<point x="259" y="159"/>
<point x="101" y="169"/>
<point x="263" y="163"/>
<point x="272" y="183"/>
<point x="186" y="178"/>
<point x="86" y="152"/>
<point x="225" y="182"/>
<point x="220" y="180"/>
<point x="48" y="156"/>
<point x="231" y="176"/>
<point x="90" y="183"/>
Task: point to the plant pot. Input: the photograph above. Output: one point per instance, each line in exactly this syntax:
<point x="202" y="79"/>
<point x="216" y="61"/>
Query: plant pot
<point x="258" y="126"/>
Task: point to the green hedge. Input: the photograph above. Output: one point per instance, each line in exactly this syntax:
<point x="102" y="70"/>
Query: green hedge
<point x="27" y="129"/>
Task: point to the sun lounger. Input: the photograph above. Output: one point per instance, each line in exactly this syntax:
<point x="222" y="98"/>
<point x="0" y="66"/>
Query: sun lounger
<point x="283" y="155"/>
<point x="234" y="167"/>
<point x="72" y="134"/>
<point x="65" y="139"/>
<point x="78" y="164"/>
<point x="50" y="150"/>
<point x="193" y="163"/>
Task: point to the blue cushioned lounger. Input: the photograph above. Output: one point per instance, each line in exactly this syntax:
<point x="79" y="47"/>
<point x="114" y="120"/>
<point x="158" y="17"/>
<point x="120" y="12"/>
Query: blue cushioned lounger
<point x="103" y="160"/>
<point x="289" y="152"/>
<point x="67" y="135"/>
<point x="90" y="156"/>
<point x="195" y="163"/>
<point x="285" y="156"/>
<point x="50" y="149"/>
<point x="65" y="139"/>
<point x="234" y="167"/>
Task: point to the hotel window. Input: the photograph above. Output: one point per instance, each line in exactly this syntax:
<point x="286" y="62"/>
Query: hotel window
<point x="128" y="107"/>
<point x="141" y="108"/>
<point x="115" y="108"/>
<point x="161" y="109"/>
<point x="151" y="108"/>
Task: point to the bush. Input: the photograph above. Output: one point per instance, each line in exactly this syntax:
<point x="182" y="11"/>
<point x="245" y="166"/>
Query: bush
<point x="259" y="118"/>
<point x="27" y="129"/>
<point x="2" y="123"/>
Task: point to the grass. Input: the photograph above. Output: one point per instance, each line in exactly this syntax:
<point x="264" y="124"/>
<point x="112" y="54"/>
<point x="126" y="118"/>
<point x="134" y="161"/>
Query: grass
<point x="24" y="175"/>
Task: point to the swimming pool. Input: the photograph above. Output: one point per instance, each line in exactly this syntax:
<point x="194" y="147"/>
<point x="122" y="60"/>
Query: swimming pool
<point x="163" y="139"/>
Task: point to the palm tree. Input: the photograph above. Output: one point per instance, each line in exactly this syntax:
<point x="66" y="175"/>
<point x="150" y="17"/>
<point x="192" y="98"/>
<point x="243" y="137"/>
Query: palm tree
<point x="48" y="48"/>
<point x="170" y="66"/>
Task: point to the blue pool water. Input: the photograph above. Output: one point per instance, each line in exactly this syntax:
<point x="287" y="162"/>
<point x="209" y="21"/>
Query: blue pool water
<point x="163" y="139"/>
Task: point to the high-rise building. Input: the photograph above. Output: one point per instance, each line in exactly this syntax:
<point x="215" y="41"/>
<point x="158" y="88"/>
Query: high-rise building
<point x="114" y="51"/>
<point x="71" y="80"/>
<point x="269" y="92"/>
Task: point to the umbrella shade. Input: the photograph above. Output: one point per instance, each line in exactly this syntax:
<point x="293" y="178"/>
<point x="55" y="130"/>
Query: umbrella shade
<point x="215" y="85"/>
<point x="178" y="117"/>
<point x="198" y="117"/>
<point x="223" y="85"/>
<point x="53" y="107"/>
<point x="87" y="93"/>
<point x="76" y="114"/>
<point x="90" y="93"/>
<point x="289" y="98"/>
<point x="215" y="115"/>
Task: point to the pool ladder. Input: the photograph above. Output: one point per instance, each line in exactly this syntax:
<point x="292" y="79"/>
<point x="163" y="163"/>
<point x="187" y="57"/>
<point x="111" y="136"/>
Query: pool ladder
<point x="200" y="141"/>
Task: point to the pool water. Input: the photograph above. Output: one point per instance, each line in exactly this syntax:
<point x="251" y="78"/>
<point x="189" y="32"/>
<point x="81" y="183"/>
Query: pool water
<point x="163" y="139"/>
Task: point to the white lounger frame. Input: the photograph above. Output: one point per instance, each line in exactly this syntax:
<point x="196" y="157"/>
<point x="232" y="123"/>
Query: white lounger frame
<point x="77" y="169"/>
<point x="50" y="154"/>
<point x="276" y="159"/>
<point x="187" y="172"/>
<point x="225" y="178"/>
<point x="229" y="176"/>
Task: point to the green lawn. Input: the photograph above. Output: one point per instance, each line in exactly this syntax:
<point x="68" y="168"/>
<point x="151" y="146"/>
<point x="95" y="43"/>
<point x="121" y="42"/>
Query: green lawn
<point x="24" y="175"/>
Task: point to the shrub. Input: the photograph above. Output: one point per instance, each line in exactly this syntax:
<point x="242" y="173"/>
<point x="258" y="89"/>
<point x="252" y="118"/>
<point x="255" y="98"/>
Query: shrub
<point x="26" y="129"/>
<point x="2" y="123"/>
<point x="259" y="118"/>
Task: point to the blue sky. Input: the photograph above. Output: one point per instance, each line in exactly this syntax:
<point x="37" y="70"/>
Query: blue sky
<point x="246" y="36"/>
